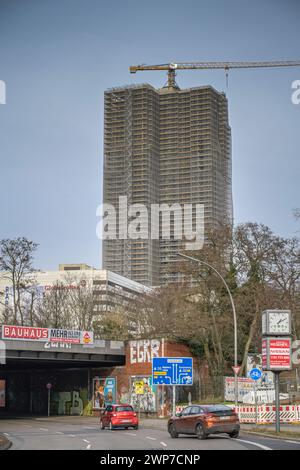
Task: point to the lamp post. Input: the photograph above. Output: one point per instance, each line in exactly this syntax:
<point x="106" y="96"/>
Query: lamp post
<point x="234" y="320"/>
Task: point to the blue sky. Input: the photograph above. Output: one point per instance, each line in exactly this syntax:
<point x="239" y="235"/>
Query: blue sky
<point x="57" y="58"/>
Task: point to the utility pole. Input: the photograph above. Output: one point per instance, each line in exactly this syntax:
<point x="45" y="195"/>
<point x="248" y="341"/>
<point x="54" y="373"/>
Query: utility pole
<point x="236" y="393"/>
<point x="277" y="402"/>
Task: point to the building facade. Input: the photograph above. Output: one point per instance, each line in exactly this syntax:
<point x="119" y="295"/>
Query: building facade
<point x="109" y="291"/>
<point x="165" y="146"/>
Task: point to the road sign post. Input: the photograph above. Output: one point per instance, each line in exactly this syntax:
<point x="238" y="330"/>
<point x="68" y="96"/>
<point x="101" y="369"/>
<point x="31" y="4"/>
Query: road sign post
<point x="174" y="400"/>
<point x="277" y="402"/>
<point x="255" y="374"/>
<point x="236" y="369"/>
<point x="49" y="386"/>
<point x="172" y="371"/>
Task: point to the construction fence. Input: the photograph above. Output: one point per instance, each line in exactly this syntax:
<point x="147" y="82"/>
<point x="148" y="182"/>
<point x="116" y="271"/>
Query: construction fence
<point x="264" y="414"/>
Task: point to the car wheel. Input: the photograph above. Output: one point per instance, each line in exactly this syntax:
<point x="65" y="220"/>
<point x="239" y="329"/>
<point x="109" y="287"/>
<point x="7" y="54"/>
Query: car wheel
<point x="110" y="426"/>
<point x="234" y="434"/>
<point x="102" y="425"/>
<point x="200" y="432"/>
<point x="136" y="427"/>
<point x="173" y="432"/>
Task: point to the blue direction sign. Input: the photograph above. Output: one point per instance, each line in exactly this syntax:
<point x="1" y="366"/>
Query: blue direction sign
<point x="172" y="370"/>
<point x="255" y="374"/>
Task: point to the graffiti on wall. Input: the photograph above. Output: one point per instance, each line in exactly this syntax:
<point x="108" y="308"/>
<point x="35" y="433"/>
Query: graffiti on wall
<point x="145" y="402"/>
<point x="69" y="403"/>
<point x="143" y="351"/>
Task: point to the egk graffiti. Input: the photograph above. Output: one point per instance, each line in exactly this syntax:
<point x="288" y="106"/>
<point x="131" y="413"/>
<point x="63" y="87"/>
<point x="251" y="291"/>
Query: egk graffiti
<point x="143" y="351"/>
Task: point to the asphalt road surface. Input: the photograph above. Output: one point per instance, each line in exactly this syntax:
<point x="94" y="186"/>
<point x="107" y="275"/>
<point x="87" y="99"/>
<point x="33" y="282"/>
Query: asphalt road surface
<point x="85" y="434"/>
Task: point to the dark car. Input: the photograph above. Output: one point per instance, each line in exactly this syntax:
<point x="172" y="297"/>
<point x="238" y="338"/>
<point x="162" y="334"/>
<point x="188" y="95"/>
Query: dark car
<point x="119" y="416"/>
<point x="203" y="420"/>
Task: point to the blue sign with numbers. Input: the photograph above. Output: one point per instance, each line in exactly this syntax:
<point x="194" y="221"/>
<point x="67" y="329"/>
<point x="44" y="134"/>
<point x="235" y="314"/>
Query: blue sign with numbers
<point x="255" y="374"/>
<point x="172" y="370"/>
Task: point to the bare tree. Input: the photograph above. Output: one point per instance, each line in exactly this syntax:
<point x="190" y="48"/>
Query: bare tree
<point x="67" y="304"/>
<point x="16" y="258"/>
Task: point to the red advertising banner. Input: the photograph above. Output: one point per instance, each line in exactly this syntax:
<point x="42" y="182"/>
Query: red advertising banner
<point x="280" y="353"/>
<point x="53" y="335"/>
<point x="25" y="333"/>
<point x="276" y="354"/>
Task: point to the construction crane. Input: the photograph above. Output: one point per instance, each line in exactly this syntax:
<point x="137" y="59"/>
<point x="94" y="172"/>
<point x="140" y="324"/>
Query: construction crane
<point x="172" y="67"/>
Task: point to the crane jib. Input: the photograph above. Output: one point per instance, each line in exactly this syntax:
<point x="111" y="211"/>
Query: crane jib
<point x="215" y="65"/>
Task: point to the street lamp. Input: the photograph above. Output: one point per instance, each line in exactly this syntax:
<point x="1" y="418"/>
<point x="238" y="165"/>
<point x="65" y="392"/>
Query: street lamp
<point x="234" y="320"/>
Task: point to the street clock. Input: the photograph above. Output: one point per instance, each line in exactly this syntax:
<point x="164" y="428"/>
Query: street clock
<point x="276" y="322"/>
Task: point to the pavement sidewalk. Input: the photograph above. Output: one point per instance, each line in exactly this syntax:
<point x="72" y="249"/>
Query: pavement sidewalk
<point x="292" y="430"/>
<point x="154" y="423"/>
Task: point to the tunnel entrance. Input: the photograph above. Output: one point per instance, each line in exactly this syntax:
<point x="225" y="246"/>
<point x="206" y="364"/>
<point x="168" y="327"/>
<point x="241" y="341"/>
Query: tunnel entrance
<point x="26" y="392"/>
<point x="31" y="366"/>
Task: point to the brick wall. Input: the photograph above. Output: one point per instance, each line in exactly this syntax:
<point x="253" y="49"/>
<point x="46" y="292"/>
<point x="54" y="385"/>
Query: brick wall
<point x="138" y="365"/>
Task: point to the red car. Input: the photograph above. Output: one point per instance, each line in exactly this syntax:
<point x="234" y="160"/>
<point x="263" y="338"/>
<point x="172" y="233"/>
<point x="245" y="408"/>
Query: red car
<point x="115" y="416"/>
<point x="203" y="420"/>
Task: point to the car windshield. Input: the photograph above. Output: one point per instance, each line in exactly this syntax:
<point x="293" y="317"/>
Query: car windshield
<point x="215" y="408"/>
<point x="123" y="408"/>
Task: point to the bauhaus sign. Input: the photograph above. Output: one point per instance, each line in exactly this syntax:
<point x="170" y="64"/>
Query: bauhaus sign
<point x="54" y="335"/>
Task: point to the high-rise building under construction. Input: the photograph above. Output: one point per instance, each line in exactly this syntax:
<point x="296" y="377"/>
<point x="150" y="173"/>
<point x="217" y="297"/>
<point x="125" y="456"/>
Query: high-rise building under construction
<point x="165" y="146"/>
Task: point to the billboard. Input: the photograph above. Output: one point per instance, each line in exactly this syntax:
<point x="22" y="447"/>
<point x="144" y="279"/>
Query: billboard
<point x="245" y="385"/>
<point x="23" y="333"/>
<point x="276" y="354"/>
<point x="104" y="392"/>
<point x="53" y="335"/>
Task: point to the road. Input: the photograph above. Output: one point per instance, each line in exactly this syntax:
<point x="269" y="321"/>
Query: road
<point x="85" y="434"/>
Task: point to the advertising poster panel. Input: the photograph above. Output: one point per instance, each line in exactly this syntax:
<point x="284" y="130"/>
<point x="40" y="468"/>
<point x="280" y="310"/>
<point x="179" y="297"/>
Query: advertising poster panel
<point x="2" y="393"/>
<point x="104" y="392"/>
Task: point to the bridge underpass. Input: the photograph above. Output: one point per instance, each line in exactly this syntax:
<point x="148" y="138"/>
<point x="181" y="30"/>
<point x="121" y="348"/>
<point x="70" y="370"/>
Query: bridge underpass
<point x="69" y="368"/>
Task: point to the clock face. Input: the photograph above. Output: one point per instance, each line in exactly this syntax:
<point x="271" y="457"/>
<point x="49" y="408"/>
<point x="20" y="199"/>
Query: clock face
<point x="279" y="322"/>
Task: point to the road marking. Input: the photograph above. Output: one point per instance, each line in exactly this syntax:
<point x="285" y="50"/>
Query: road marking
<point x="293" y="442"/>
<point x="130" y="434"/>
<point x="72" y="435"/>
<point x="58" y="432"/>
<point x="44" y="429"/>
<point x="151" y="438"/>
<point x="84" y="440"/>
<point x="6" y="434"/>
<point x="163" y="444"/>
<point x="88" y="447"/>
<point x="252" y="443"/>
